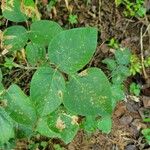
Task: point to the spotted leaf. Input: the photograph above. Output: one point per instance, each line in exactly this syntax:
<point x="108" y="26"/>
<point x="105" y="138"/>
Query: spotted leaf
<point x="89" y="93"/>
<point x="43" y="31"/>
<point x="35" y="53"/>
<point x="64" y="124"/>
<point x="19" y="106"/>
<point x="47" y="90"/>
<point x="6" y="125"/>
<point x="14" y="38"/>
<point x="11" y="10"/>
<point x="72" y="49"/>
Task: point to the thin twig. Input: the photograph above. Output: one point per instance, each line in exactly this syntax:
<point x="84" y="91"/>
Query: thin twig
<point x="142" y="54"/>
<point x="25" y="67"/>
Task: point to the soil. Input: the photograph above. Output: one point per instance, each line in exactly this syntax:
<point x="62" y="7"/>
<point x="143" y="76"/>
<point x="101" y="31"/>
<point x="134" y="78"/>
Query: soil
<point x="111" y="23"/>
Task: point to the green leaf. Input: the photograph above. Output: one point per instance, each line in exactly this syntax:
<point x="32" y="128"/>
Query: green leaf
<point x="43" y="31"/>
<point x="2" y="89"/>
<point x="90" y="124"/>
<point x="146" y="133"/>
<point x="141" y="11"/>
<point x="118" y="2"/>
<point x="71" y="50"/>
<point x="117" y="92"/>
<point x="35" y="53"/>
<point x="9" y="62"/>
<point x="47" y="90"/>
<point x="111" y="63"/>
<point x="120" y="74"/>
<point x="43" y="128"/>
<point x="105" y="124"/>
<point x="65" y="124"/>
<point x="14" y="38"/>
<point x="123" y="56"/>
<point x="135" y="89"/>
<point x="19" y="106"/>
<point x="59" y="124"/>
<point x="6" y="125"/>
<point x="23" y="132"/>
<point x="12" y="10"/>
<point x="30" y="9"/>
<point x="89" y="93"/>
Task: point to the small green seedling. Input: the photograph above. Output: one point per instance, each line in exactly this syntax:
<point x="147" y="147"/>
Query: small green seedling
<point x="147" y="62"/>
<point x="136" y="65"/>
<point x="9" y="63"/>
<point x="73" y="19"/>
<point x="119" y="71"/>
<point x="146" y="134"/>
<point x="135" y="89"/>
<point x="113" y="43"/>
<point x="132" y="8"/>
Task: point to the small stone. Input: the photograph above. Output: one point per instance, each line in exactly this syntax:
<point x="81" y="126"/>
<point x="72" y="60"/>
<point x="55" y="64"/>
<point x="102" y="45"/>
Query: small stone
<point x="131" y="147"/>
<point x="138" y="124"/>
<point x="134" y="131"/>
<point x="132" y="106"/>
<point x="146" y="101"/>
<point x="144" y="112"/>
<point x="120" y="111"/>
<point x="104" y="48"/>
<point x="126" y="120"/>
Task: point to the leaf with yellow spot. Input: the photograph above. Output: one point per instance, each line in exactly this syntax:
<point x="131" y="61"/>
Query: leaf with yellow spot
<point x="90" y="94"/>
<point x="63" y="123"/>
<point x="59" y="124"/>
<point x="35" y="53"/>
<point x="6" y="127"/>
<point x="14" y="38"/>
<point x="11" y="10"/>
<point x="29" y="8"/>
<point x="43" y="31"/>
<point x="47" y="90"/>
<point x="19" y="106"/>
<point x="72" y="49"/>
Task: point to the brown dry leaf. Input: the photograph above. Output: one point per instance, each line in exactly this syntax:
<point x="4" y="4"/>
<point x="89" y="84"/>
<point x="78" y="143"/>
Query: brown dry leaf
<point x="60" y="124"/>
<point x="83" y="73"/>
<point x="74" y="120"/>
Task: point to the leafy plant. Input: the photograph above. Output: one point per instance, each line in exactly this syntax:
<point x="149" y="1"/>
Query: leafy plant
<point x="119" y="70"/>
<point x="146" y="134"/>
<point x="113" y="43"/>
<point x="135" y="89"/>
<point x="73" y="19"/>
<point x="60" y="90"/>
<point x="19" y="11"/>
<point x="136" y="64"/>
<point x="133" y="9"/>
<point x="147" y="62"/>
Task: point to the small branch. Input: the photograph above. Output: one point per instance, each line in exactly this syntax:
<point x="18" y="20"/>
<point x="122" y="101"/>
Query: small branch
<point x="25" y="67"/>
<point x="142" y="53"/>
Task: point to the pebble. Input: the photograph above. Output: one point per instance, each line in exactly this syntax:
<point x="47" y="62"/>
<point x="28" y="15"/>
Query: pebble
<point x="131" y="147"/>
<point x="125" y="120"/>
<point x="146" y="101"/>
